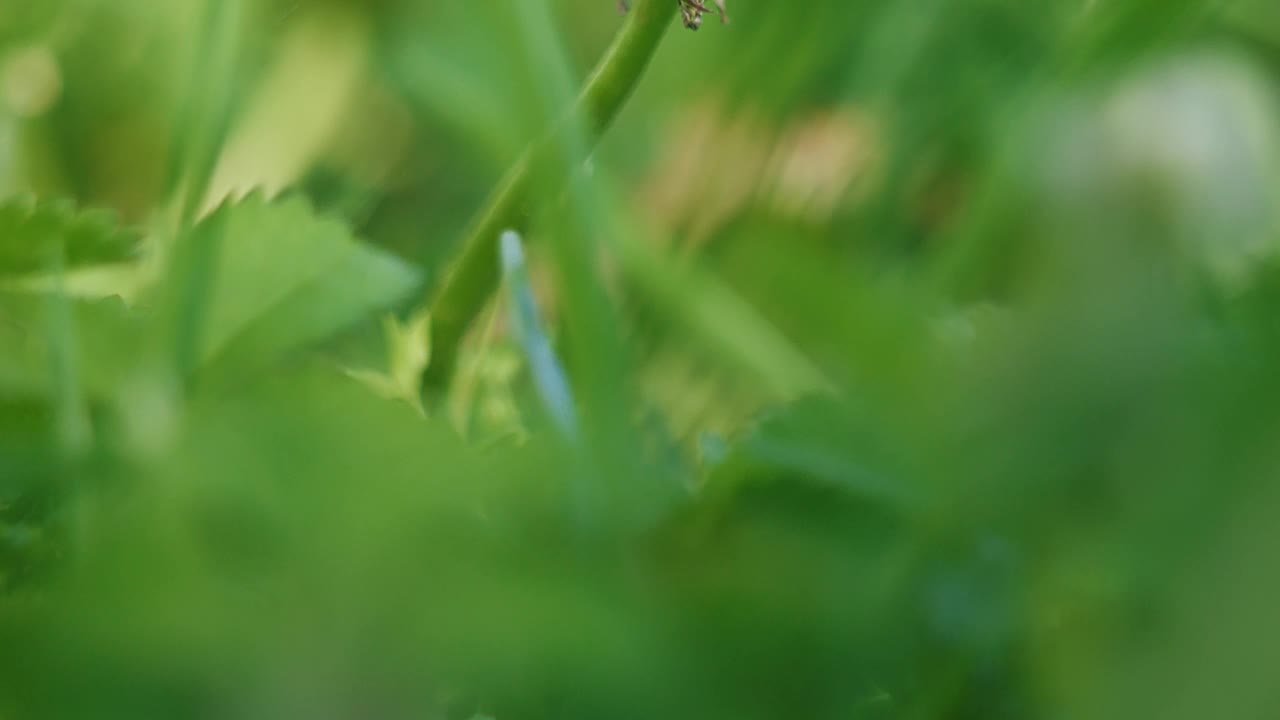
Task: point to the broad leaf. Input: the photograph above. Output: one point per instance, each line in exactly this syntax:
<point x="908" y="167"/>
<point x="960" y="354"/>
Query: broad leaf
<point x="268" y="277"/>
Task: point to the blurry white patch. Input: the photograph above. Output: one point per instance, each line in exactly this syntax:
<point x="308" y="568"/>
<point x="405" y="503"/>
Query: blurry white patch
<point x="512" y="252"/>
<point x="31" y="81"/>
<point x="1191" y="143"/>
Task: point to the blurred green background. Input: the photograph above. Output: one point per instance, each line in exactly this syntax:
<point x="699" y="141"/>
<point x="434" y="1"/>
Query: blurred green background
<point x="923" y="361"/>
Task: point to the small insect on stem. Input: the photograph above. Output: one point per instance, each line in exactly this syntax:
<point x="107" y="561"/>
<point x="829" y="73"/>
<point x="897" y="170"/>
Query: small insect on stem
<point x="691" y="11"/>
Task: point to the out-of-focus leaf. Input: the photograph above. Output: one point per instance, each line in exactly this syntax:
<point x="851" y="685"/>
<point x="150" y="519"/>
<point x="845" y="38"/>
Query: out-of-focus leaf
<point x="105" y="334"/>
<point x="34" y="234"/>
<point x="299" y="107"/>
<point x="407" y="352"/>
<point x="821" y="441"/>
<point x="281" y="277"/>
<point x="366" y="281"/>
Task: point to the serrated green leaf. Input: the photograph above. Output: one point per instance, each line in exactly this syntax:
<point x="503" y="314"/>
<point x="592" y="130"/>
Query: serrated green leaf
<point x="34" y="233"/>
<point x="281" y="278"/>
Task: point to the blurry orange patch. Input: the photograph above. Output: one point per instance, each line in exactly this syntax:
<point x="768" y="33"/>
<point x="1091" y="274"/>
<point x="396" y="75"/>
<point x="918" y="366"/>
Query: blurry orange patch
<point x="712" y="167"/>
<point x="817" y="161"/>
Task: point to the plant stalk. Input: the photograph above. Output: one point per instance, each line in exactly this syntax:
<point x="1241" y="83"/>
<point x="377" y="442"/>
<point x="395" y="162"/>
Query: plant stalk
<point x="474" y="275"/>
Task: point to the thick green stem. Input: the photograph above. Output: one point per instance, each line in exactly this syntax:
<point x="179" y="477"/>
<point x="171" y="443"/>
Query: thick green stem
<point x="473" y="277"/>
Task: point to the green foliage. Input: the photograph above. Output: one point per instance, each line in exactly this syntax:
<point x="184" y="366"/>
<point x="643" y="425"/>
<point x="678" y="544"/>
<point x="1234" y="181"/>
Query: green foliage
<point x="274" y="276"/>
<point x="921" y="358"/>
<point x="85" y="380"/>
<point x="44" y="237"/>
